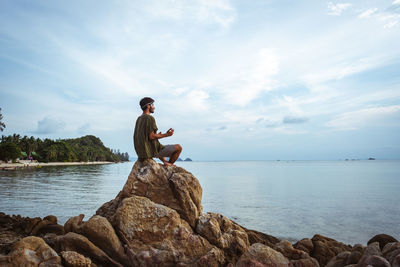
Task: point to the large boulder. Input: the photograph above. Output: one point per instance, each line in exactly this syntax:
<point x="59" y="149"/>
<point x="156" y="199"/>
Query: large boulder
<point x="32" y="251"/>
<point x="324" y="249"/>
<point x="101" y="233"/>
<point x="80" y="244"/>
<point x="373" y="256"/>
<point x="224" y="234"/>
<point x="262" y="255"/>
<point x="156" y="234"/>
<point x="258" y="237"/>
<point x="382" y="239"/>
<point x="170" y="186"/>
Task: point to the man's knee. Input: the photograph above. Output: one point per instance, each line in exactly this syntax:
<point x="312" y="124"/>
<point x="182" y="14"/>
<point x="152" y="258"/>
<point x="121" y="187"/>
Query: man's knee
<point x="178" y="147"/>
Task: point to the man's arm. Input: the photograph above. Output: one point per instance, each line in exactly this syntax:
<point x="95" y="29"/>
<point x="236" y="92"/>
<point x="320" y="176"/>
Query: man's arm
<point x="153" y="135"/>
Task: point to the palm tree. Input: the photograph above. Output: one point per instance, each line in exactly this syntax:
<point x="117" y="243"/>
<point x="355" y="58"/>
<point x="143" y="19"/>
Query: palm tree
<point x="2" y="125"/>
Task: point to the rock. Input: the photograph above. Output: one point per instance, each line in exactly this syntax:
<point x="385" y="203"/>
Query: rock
<point x="305" y="244"/>
<point x="32" y="251"/>
<point x="171" y="186"/>
<point x="326" y="248"/>
<point x="310" y="262"/>
<point x="391" y="251"/>
<point x="156" y="234"/>
<point x="80" y="244"/>
<point x="374" y="260"/>
<point x="373" y="249"/>
<point x="258" y="237"/>
<point x="223" y="233"/>
<point x="101" y="233"/>
<point x="339" y="260"/>
<point x="382" y="239"/>
<point x="262" y="255"/>
<point x="74" y="259"/>
<point x="296" y="256"/>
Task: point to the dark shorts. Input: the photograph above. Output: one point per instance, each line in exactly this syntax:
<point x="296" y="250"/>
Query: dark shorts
<point x="166" y="151"/>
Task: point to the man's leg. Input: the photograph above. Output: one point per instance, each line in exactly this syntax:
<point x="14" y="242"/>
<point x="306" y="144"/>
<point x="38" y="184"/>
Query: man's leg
<point x="175" y="154"/>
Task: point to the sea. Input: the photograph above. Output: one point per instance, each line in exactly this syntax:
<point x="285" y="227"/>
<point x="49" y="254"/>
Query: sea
<point x="350" y="201"/>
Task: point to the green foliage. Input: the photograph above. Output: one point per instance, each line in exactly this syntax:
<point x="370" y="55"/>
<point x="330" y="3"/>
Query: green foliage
<point x="9" y="151"/>
<point x="86" y="148"/>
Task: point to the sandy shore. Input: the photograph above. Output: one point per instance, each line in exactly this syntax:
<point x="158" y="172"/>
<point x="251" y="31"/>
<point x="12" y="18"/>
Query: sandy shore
<point x="27" y="164"/>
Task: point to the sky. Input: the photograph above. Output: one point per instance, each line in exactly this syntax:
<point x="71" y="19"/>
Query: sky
<point x="236" y="80"/>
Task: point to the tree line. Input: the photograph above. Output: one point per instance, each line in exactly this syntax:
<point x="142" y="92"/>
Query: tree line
<point x="86" y="148"/>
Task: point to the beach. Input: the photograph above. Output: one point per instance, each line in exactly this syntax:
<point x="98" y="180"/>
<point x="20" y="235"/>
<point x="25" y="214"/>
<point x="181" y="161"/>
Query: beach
<point x="31" y="164"/>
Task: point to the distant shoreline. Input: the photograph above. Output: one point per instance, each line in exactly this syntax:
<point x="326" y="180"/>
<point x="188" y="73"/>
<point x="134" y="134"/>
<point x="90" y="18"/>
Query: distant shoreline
<point x="28" y="164"/>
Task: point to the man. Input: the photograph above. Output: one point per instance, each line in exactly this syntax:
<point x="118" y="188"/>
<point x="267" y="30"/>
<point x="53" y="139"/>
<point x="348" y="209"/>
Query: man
<point x="146" y="137"/>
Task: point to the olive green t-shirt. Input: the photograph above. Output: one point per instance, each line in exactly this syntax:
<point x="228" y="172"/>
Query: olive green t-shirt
<point x="146" y="148"/>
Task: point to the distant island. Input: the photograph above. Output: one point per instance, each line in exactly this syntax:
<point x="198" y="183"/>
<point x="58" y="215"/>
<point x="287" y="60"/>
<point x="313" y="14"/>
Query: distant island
<point x="88" y="148"/>
<point x="187" y="159"/>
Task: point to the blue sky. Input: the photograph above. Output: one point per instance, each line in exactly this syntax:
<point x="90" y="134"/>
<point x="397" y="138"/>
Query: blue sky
<point x="237" y="80"/>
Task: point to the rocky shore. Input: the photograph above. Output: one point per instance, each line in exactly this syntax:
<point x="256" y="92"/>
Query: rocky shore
<point x="157" y="220"/>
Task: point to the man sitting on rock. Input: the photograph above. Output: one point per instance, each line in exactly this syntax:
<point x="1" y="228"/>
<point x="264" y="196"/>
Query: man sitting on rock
<point x="146" y="137"/>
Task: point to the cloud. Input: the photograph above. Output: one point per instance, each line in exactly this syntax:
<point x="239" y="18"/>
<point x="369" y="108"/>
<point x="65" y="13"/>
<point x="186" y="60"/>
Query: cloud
<point x="368" y="13"/>
<point x="84" y="129"/>
<point x="49" y="125"/>
<point x="337" y="9"/>
<point x="218" y="12"/>
<point x="294" y="120"/>
<point x="356" y="119"/>
<point x="396" y="2"/>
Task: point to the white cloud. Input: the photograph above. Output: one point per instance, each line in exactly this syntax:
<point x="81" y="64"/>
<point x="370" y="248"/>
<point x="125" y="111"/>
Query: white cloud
<point x="356" y="119"/>
<point x="220" y="12"/>
<point x="49" y="125"/>
<point x="337" y="9"/>
<point x="396" y="2"/>
<point x="367" y="13"/>
<point x="196" y="101"/>
<point x="252" y="77"/>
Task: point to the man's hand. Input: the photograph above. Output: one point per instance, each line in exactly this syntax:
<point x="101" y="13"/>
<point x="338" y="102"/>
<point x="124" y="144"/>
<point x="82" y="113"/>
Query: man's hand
<point x="169" y="132"/>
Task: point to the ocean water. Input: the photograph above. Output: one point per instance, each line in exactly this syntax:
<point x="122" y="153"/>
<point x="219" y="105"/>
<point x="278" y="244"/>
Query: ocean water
<point x="350" y="201"/>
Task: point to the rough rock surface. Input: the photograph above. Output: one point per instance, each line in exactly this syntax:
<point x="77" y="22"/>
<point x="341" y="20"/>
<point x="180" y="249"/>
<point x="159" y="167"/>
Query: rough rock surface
<point x="296" y="256"/>
<point x="262" y="255"/>
<point x="32" y="251"/>
<point x="101" y="233"/>
<point x="14" y="228"/>
<point x="223" y="233"/>
<point x="172" y="186"/>
<point x="155" y="233"/>
<point x="392" y="251"/>
<point x="258" y="237"/>
<point x="80" y="244"/>
<point x="74" y="259"/>
<point x="382" y="239"/>
<point x="326" y="248"/>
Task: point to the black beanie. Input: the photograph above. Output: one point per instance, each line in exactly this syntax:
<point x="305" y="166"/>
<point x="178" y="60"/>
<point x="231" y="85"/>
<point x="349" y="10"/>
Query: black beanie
<point x="146" y="101"/>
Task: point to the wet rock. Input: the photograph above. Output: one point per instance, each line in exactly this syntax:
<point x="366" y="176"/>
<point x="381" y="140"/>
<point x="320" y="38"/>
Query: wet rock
<point x="171" y="186"/>
<point x="156" y="234"/>
<point x="326" y="248"/>
<point x="382" y="239"/>
<point x="224" y="234"/>
<point x="258" y="237"/>
<point x="74" y="259"/>
<point x="80" y="244"/>
<point x="262" y="255"/>
<point x="32" y="251"/>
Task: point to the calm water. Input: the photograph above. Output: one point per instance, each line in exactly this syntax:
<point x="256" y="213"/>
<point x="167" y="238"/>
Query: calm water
<point x="350" y="201"/>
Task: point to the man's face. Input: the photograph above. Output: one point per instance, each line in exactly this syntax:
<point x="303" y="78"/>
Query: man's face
<point x="152" y="108"/>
